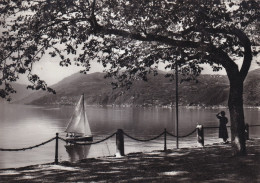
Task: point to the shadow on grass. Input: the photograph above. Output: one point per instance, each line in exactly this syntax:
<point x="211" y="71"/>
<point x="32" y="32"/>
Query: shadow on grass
<point x="208" y="164"/>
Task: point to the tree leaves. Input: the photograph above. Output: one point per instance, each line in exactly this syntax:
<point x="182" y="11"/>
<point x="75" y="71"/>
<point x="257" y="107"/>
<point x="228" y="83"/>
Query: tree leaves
<point x="134" y="36"/>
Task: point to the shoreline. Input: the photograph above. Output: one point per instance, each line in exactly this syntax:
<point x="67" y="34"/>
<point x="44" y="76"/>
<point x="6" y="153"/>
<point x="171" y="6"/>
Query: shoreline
<point x="213" y="163"/>
<point x="143" y="106"/>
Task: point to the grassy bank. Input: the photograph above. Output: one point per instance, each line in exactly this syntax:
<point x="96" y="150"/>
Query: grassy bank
<point x="213" y="163"/>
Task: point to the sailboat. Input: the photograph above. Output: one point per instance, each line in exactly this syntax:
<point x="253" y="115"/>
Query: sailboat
<point x="78" y="128"/>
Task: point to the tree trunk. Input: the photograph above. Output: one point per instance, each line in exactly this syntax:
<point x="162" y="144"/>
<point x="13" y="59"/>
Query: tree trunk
<point x="235" y="104"/>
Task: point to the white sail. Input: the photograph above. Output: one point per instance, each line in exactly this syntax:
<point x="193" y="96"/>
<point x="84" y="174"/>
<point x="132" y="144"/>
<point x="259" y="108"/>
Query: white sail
<point x="86" y="124"/>
<point x="79" y="122"/>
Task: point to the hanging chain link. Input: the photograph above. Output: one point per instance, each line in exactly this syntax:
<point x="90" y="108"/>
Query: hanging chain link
<point x="31" y="147"/>
<point x="183" y="135"/>
<point x="146" y="140"/>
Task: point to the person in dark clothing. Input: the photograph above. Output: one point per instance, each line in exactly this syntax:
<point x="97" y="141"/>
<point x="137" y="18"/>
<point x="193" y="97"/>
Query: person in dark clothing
<point x="222" y="126"/>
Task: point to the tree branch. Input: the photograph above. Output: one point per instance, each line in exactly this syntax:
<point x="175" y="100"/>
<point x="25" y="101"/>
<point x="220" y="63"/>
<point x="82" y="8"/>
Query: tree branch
<point x="247" y="52"/>
<point x="242" y="38"/>
<point x="149" y="37"/>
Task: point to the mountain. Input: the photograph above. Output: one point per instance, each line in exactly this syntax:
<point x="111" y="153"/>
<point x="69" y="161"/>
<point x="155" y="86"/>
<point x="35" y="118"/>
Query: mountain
<point x="21" y="92"/>
<point x="209" y="90"/>
<point x="70" y="88"/>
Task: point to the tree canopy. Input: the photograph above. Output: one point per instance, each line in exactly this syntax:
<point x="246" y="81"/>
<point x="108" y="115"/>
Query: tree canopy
<point x="131" y="35"/>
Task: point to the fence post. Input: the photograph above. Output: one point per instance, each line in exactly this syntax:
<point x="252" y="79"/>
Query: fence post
<point x="165" y="143"/>
<point x="120" y="151"/>
<point x="56" y="149"/>
<point x="247" y="131"/>
<point x="200" y="135"/>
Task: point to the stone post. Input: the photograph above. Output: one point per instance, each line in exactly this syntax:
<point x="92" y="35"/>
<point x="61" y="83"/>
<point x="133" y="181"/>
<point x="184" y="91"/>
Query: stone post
<point x="120" y="151"/>
<point x="165" y="143"/>
<point x="200" y="135"/>
<point x="56" y="149"/>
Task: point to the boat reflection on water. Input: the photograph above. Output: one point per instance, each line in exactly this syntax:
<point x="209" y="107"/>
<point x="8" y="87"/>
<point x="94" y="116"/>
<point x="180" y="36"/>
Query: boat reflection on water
<point x="77" y="152"/>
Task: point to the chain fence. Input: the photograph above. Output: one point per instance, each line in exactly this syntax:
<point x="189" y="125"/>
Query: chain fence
<point x="110" y="136"/>
<point x="144" y="140"/>
<point x="181" y="136"/>
<point x="253" y="125"/>
<point x="118" y="133"/>
<point x="31" y="147"/>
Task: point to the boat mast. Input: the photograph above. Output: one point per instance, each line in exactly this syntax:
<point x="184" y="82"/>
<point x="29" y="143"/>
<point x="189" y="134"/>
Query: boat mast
<point x="83" y="101"/>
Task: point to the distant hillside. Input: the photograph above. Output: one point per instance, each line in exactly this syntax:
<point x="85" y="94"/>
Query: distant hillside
<point x="21" y="93"/>
<point x="210" y="90"/>
<point x="70" y="88"/>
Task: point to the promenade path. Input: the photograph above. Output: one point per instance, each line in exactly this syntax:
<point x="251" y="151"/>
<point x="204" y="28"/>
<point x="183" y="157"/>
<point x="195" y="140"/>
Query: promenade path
<point x="213" y="163"/>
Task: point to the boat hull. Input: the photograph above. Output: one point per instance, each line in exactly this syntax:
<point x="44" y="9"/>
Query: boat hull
<point x="80" y="139"/>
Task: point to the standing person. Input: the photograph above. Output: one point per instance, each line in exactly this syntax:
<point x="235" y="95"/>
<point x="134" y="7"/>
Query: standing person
<point x="222" y="126"/>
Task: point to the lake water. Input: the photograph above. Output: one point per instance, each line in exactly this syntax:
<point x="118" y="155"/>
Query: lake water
<point x="24" y="126"/>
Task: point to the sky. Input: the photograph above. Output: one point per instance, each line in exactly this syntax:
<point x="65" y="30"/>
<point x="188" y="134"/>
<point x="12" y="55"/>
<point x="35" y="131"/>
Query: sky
<point x="50" y="70"/>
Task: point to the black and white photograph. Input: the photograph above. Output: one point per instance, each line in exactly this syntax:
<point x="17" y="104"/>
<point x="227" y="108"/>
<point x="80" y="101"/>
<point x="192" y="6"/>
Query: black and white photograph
<point x="130" y="91"/>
